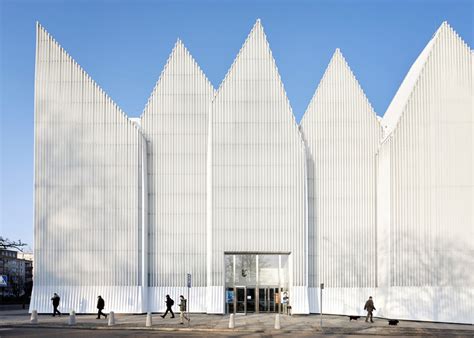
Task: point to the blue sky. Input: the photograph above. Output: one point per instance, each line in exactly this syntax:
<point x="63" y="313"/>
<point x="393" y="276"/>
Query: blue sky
<point x="124" y="45"/>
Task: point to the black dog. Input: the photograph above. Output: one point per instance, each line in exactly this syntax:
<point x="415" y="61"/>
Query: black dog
<point x="353" y="317"/>
<point x="392" y="322"/>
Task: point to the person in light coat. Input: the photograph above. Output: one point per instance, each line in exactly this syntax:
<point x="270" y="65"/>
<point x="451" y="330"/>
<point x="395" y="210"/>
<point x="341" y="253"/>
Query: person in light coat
<point x="182" y="309"/>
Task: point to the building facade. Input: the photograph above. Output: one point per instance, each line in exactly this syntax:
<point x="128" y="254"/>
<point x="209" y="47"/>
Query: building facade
<point x="226" y="186"/>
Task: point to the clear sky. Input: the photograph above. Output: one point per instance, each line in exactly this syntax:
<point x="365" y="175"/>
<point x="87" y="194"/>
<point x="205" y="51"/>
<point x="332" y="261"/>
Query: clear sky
<point x="124" y="45"/>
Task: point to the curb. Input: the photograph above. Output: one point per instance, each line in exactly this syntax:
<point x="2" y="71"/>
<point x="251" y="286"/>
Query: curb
<point x="131" y="328"/>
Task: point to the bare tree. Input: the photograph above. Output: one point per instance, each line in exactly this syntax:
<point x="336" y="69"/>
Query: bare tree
<point x="6" y="244"/>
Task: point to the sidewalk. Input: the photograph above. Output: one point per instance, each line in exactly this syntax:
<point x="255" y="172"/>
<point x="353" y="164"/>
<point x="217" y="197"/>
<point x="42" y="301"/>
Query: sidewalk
<point x="254" y="323"/>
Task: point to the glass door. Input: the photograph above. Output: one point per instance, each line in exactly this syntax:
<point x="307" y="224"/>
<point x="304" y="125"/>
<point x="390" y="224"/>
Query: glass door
<point x="250" y="298"/>
<point x="240" y="306"/>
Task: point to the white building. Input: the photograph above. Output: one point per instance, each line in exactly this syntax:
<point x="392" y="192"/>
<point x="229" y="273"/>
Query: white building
<point x="226" y="186"/>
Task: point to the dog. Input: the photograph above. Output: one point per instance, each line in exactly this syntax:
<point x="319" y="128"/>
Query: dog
<point x="393" y="322"/>
<point x="353" y="317"/>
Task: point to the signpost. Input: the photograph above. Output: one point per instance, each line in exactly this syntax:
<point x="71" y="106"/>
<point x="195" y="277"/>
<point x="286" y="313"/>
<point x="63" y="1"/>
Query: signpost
<point x="188" y="283"/>
<point x="321" y="303"/>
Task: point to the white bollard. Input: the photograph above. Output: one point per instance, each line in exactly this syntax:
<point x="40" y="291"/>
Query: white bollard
<point x="72" y="318"/>
<point x="34" y="317"/>
<point x="111" y="318"/>
<point x="231" y="321"/>
<point x="148" y="319"/>
<point x="277" y="322"/>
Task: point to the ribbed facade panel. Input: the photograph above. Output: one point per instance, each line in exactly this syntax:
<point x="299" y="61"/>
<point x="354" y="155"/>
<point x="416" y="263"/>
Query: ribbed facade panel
<point x="257" y="176"/>
<point x="175" y="123"/>
<point x="431" y="170"/>
<point x="88" y="183"/>
<point x="342" y="135"/>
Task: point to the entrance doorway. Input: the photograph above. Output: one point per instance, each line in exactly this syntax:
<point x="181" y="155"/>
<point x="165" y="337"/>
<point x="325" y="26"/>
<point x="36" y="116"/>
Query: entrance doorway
<point x="268" y="299"/>
<point x="251" y="299"/>
<point x="244" y="301"/>
<point x="254" y="282"/>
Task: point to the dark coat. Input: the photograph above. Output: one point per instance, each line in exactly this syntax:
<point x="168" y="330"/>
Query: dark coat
<point x="100" y="304"/>
<point x="55" y="300"/>
<point x="169" y="302"/>
<point x="369" y="305"/>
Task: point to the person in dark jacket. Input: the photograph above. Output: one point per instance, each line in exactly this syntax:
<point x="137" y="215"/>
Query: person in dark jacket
<point x="55" y="301"/>
<point x="369" y="306"/>
<point x="169" y="303"/>
<point x="100" y="307"/>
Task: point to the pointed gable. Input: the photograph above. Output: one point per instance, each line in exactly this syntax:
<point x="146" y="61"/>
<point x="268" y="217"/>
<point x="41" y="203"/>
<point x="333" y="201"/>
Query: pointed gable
<point x="256" y="169"/>
<point x="342" y="135"/>
<point x="429" y="132"/>
<point x="435" y="51"/>
<point x="254" y="77"/>
<point x="88" y="156"/>
<point x="175" y="122"/>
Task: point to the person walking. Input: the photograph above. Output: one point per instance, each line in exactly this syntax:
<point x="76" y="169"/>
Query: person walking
<point x="169" y="303"/>
<point x="182" y="309"/>
<point x="55" y="301"/>
<point x="285" y="301"/>
<point x="100" y="307"/>
<point x="369" y="306"/>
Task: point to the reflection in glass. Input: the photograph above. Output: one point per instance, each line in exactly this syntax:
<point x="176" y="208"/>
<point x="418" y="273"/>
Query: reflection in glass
<point x="229" y="270"/>
<point x="268" y="270"/>
<point x="245" y="270"/>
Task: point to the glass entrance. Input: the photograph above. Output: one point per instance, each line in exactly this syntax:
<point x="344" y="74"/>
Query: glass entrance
<point x="254" y="282"/>
<point x="268" y="300"/>
<point x="240" y="300"/>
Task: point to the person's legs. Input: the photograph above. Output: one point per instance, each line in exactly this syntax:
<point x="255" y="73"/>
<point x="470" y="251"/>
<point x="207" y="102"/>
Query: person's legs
<point x="367" y="317"/>
<point x="172" y="313"/>
<point x="371" y="317"/>
<point x="164" y="314"/>
<point x="98" y="314"/>
<point x="181" y="316"/>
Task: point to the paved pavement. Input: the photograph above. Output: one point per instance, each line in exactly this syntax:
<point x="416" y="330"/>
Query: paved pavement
<point x="17" y="323"/>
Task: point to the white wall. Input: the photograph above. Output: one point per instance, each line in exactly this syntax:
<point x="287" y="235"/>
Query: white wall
<point x="426" y="163"/>
<point x="342" y="135"/>
<point x="87" y="180"/>
<point x="175" y="122"/>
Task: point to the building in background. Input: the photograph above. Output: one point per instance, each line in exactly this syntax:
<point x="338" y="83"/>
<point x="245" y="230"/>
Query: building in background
<point x="226" y="186"/>
<point x="16" y="269"/>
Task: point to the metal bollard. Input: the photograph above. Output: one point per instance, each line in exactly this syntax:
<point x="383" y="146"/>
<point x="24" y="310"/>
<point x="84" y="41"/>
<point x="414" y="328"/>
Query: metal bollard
<point x="34" y="317"/>
<point x="277" y="322"/>
<point x="231" y="321"/>
<point x="148" y="319"/>
<point x="72" y="318"/>
<point x="111" y="318"/>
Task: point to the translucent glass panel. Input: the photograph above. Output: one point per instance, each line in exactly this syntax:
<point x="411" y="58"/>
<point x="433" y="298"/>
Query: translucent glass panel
<point x="253" y="269"/>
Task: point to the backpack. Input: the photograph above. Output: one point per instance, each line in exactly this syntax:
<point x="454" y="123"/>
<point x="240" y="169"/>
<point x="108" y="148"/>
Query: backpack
<point x="172" y="302"/>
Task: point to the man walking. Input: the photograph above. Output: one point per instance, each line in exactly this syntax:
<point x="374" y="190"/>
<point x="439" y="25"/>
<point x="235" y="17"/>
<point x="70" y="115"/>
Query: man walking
<point x="169" y="303"/>
<point x="182" y="309"/>
<point x="100" y="307"/>
<point x="55" y="301"/>
<point x="369" y="306"/>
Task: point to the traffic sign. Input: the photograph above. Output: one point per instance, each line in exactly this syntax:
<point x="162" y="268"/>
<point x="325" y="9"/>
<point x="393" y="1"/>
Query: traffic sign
<point x="188" y="279"/>
<point x="3" y="280"/>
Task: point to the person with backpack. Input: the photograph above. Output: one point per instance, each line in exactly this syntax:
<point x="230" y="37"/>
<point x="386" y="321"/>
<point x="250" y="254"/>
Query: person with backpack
<point x="182" y="309"/>
<point x="55" y="301"/>
<point x="169" y="303"/>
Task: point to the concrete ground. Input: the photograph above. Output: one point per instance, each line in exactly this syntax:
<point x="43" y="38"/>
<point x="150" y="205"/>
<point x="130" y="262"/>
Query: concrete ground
<point x="16" y="323"/>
